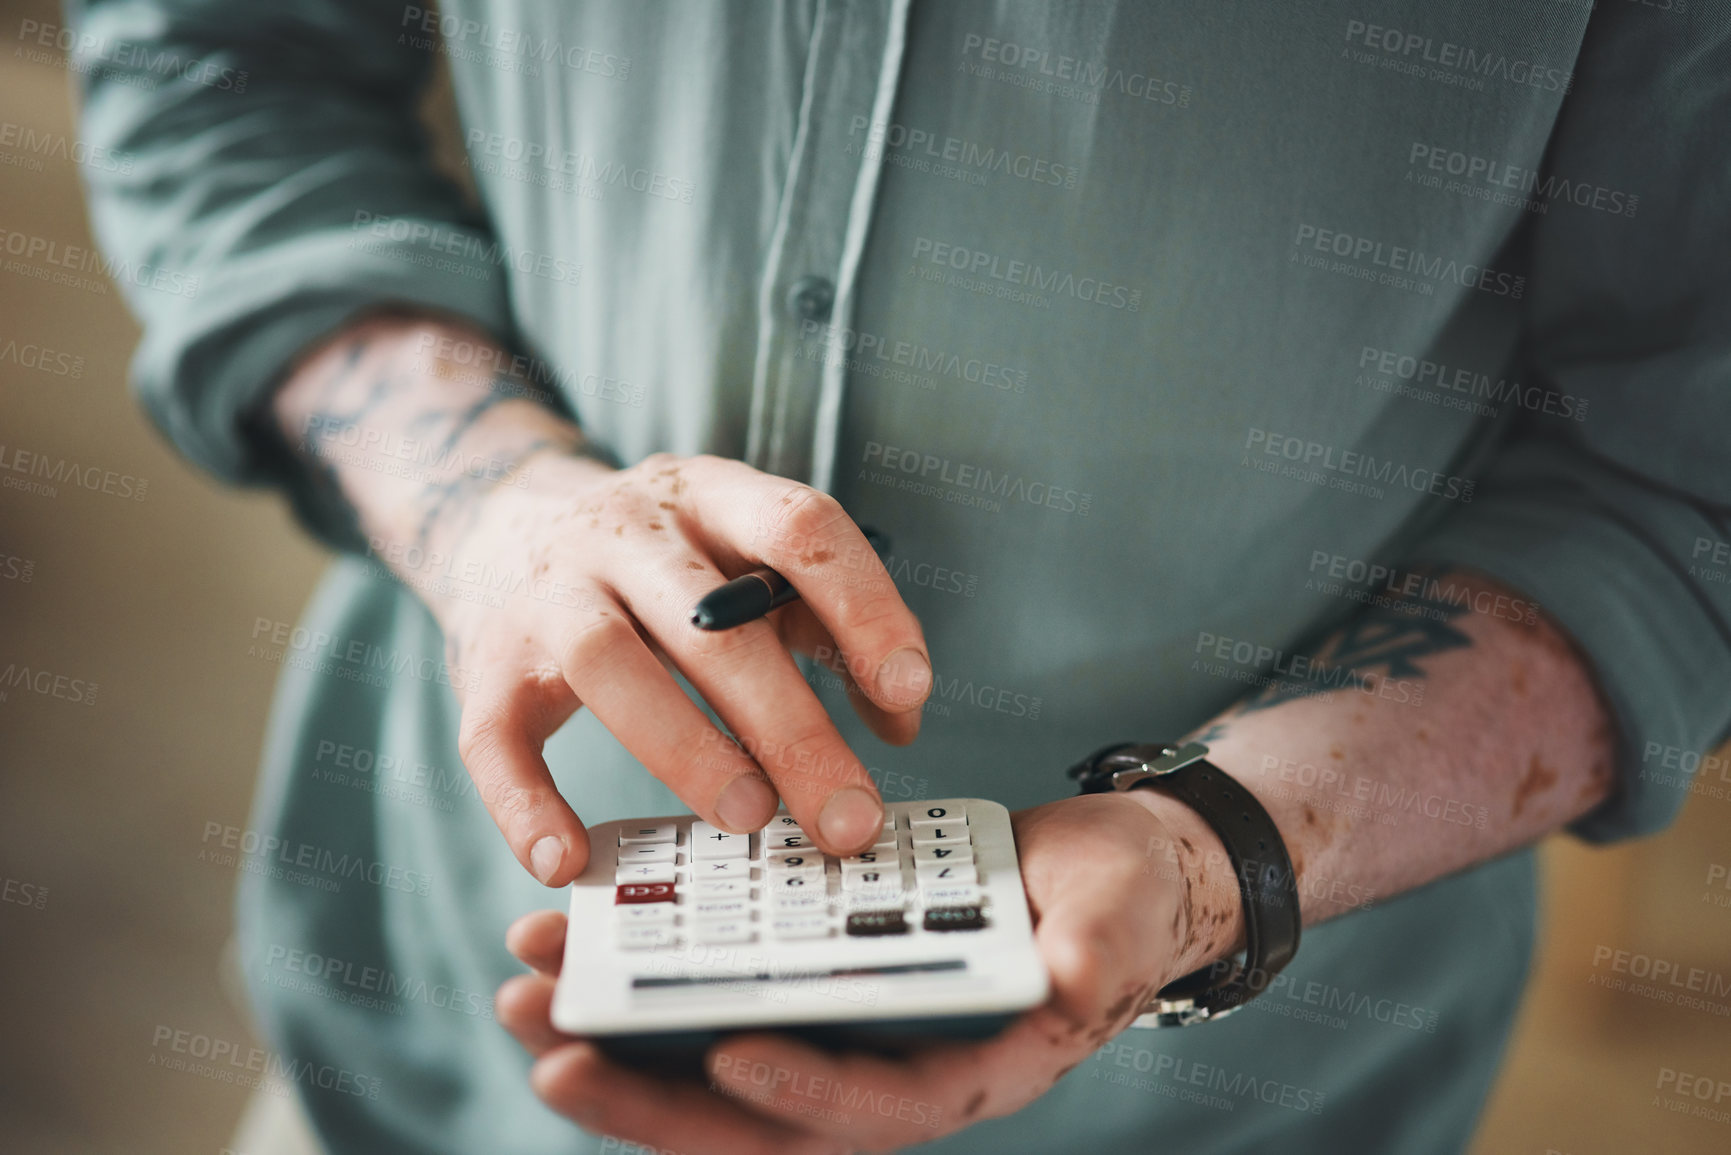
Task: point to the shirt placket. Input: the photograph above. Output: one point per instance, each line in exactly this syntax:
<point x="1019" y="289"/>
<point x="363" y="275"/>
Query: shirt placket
<point x="807" y="293"/>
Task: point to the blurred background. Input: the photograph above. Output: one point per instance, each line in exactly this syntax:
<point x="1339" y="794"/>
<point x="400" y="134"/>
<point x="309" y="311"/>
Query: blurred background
<point x="147" y="728"/>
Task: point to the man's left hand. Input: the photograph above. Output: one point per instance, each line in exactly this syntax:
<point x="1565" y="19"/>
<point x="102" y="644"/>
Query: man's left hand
<point x="1110" y="923"/>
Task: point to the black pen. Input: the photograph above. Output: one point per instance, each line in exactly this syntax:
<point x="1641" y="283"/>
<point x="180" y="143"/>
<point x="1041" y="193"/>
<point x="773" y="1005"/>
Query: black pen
<point x="753" y="595"/>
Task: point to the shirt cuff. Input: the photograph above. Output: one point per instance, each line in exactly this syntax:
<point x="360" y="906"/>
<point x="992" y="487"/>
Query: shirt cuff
<point x="207" y="365"/>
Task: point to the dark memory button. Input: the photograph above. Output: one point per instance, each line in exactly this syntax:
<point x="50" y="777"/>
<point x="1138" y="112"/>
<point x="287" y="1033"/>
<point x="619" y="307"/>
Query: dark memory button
<point x="872" y="922"/>
<point x="954" y="918"/>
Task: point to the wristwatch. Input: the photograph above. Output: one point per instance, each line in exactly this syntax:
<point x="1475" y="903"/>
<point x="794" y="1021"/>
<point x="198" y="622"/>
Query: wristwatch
<point x="1259" y="859"/>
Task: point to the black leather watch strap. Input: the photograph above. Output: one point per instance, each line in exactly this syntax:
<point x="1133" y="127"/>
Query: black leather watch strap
<point x="1266" y="881"/>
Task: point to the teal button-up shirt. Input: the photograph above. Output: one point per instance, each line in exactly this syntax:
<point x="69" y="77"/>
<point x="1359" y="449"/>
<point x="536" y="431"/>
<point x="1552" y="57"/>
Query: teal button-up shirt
<point x="1156" y="336"/>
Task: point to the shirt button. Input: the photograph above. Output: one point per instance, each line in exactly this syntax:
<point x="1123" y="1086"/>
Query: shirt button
<point x="811" y="298"/>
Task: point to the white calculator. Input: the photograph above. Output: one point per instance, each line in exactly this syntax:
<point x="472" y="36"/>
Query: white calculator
<point x="680" y="932"/>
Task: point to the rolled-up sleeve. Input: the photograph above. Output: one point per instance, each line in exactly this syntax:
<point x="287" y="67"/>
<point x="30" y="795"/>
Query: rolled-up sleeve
<point x="277" y="183"/>
<point x="1612" y="509"/>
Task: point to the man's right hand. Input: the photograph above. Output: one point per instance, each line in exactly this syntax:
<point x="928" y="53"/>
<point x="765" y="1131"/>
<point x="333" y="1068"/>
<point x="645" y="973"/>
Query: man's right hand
<point x="599" y="570"/>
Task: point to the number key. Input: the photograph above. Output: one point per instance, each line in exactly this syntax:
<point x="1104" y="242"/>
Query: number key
<point x="780" y="840"/>
<point x="945" y="874"/>
<point x="945" y="835"/>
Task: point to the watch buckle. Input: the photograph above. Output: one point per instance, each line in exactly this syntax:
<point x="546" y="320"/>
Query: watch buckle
<point x="1170" y="760"/>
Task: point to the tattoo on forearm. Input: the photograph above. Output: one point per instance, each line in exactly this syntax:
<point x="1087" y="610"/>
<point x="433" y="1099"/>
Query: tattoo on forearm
<point x="1382" y="641"/>
<point x="355" y="394"/>
<point x="456" y="497"/>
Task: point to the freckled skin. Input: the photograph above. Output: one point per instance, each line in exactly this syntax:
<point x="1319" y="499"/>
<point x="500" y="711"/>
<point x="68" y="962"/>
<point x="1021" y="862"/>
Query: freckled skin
<point x="1538" y="778"/>
<point x="693" y="565"/>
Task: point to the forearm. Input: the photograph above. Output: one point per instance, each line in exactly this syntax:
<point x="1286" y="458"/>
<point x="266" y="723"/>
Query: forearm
<point x="1462" y="735"/>
<point x="385" y="414"/>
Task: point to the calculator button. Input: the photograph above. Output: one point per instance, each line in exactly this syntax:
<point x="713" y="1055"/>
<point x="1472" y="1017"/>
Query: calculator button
<point x="647" y="852"/>
<point x="643" y="892"/>
<point x="871" y="923"/>
<point x="721" y="868"/>
<point x="720" y="906"/>
<point x="801" y="901"/>
<point x="708" y="842"/>
<point x="954" y="918"/>
<point x="716" y="887"/>
<point x="873" y="857"/>
<point x="951" y="894"/>
<point x="805" y="882"/>
<point x="803" y="862"/>
<point x="952" y="814"/>
<point x="645" y="872"/>
<point x="783" y="840"/>
<point x="890" y="897"/>
<point x="645" y="937"/>
<point x="870" y="877"/>
<point x="943" y="854"/>
<point x="783" y="823"/>
<point x="799" y="925"/>
<point x="649" y="832"/>
<point x="945" y="835"/>
<point x="645" y="914"/>
<point x="722" y="931"/>
<point x="939" y="873"/>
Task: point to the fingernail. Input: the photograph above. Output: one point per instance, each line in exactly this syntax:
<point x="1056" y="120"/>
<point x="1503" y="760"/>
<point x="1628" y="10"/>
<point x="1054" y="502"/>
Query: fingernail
<point x="545" y="858"/>
<point x="745" y="804"/>
<point x="851" y="818"/>
<point x="905" y="677"/>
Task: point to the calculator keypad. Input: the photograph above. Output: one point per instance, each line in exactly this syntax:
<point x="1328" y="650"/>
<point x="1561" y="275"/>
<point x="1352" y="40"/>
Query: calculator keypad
<point x="688" y="882"/>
